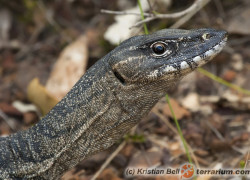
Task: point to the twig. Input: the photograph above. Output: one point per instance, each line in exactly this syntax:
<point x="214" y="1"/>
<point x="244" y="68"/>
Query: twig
<point x="195" y="7"/>
<point x="184" y="19"/>
<point x="156" y="141"/>
<point x="150" y="6"/>
<point x="149" y="162"/>
<point x="110" y="158"/>
<point x="246" y="160"/>
<point x="5" y="118"/>
<point x="187" y="13"/>
<point x="218" y="134"/>
<point x="165" y="120"/>
<point x="124" y="13"/>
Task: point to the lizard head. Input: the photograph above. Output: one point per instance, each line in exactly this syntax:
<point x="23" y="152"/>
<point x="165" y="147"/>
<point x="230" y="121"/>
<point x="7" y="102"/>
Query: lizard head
<point x="167" y="54"/>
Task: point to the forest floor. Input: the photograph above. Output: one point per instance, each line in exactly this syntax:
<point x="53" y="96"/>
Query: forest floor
<point x="37" y="36"/>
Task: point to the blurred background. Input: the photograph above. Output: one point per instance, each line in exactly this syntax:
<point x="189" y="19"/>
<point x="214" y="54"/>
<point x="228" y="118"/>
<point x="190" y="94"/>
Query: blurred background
<point x="46" y="46"/>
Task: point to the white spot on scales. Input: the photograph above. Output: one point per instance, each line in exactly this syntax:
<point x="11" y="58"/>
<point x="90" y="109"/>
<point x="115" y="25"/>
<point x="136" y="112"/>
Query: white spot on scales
<point x="184" y="65"/>
<point x="209" y="53"/>
<point x="197" y="59"/>
<point x="169" y="69"/>
<point x="154" y="73"/>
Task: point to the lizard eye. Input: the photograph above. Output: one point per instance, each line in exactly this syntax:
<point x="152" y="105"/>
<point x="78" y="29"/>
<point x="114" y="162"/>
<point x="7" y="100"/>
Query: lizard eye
<point x="159" y="48"/>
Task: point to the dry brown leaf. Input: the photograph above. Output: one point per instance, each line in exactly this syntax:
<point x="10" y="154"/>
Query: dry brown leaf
<point x="191" y="102"/>
<point x="128" y="150"/>
<point x="175" y="148"/>
<point x="179" y="111"/>
<point x="229" y="75"/>
<point x="38" y="95"/>
<point x="201" y="152"/>
<point x="235" y="101"/>
<point x="109" y="174"/>
<point x="217" y="145"/>
<point x="142" y="159"/>
<point x="207" y="177"/>
<point x="70" y="66"/>
<point x="30" y="118"/>
<point x="9" y="109"/>
<point x="71" y="175"/>
<point x="237" y="62"/>
<point x="166" y="177"/>
<point x="68" y="69"/>
<point x="5" y="129"/>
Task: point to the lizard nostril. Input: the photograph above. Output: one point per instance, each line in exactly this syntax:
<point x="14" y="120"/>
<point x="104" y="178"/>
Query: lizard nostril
<point x="206" y="36"/>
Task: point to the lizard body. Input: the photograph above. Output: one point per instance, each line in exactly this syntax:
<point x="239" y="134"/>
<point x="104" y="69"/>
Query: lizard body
<point x="111" y="98"/>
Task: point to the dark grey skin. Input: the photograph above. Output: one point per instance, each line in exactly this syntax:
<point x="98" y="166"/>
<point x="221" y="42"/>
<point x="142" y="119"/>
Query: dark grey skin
<point x="111" y="98"/>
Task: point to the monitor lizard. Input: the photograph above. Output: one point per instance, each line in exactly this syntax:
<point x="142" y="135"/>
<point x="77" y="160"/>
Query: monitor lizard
<point x="107" y="101"/>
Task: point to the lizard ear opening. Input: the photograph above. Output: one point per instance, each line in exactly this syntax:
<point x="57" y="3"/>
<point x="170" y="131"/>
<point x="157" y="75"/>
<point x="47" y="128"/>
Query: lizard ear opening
<point x="119" y="77"/>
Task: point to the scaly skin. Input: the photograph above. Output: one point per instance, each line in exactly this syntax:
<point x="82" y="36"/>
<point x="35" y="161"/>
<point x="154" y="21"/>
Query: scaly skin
<point x="112" y="97"/>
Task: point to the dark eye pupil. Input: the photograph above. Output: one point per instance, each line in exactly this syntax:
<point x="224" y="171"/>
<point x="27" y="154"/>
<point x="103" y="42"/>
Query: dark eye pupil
<point x="159" y="48"/>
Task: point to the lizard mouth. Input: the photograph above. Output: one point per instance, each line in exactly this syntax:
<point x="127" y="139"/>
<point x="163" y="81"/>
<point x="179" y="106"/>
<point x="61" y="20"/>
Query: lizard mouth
<point x="209" y="54"/>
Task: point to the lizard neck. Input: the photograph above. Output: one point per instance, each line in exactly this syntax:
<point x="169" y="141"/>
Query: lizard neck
<point x="83" y="123"/>
<point x="60" y="140"/>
